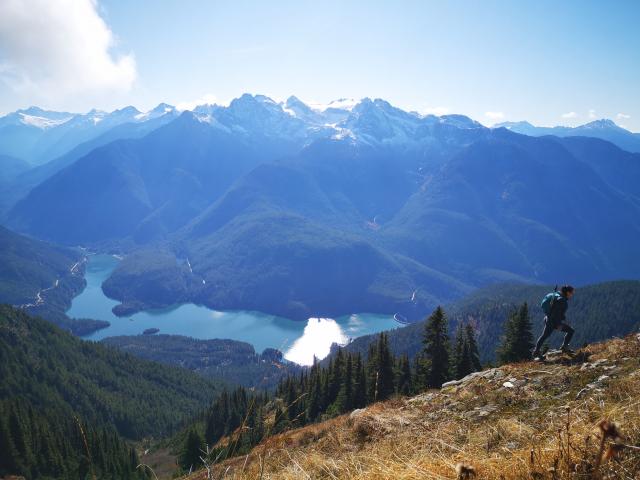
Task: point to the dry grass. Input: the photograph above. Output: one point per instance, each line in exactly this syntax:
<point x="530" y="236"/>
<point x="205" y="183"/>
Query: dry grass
<point x="546" y="427"/>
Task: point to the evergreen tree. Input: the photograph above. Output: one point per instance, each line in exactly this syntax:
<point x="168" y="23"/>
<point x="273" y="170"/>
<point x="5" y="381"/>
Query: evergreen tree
<point x="462" y="364"/>
<point x="344" y="401"/>
<point x="436" y="349"/>
<point x="314" y="402"/>
<point x="419" y="382"/>
<point x="360" y="385"/>
<point x="192" y="451"/>
<point x="372" y="374"/>
<point x="403" y="383"/>
<point x="385" y="363"/>
<point x="470" y="337"/>
<point x="517" y="342"/>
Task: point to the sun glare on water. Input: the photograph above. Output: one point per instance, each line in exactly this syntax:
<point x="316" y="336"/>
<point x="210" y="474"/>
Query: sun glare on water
<point x="316" y="340"/>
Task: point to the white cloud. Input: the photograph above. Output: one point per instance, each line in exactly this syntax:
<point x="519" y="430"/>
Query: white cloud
<point x="55" y="49"/>
<point x="435" y="111"/>
<point x="206" y="99"/>
<point x="569" y="115"/>
<point x="494" y="115"/>
<point x="622" y="116"/>
<point x="592" y="114"/>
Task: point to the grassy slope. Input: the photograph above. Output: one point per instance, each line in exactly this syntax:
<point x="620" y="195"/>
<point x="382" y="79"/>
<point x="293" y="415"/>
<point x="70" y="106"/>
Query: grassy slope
<point x="543" y="423"/>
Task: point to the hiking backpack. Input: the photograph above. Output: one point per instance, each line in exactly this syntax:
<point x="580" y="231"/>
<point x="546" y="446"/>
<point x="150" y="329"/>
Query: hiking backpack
<point x="548" y="300"/>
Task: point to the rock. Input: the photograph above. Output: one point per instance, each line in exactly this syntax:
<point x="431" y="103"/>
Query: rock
<point x="508" y="385"/>
<point x="582" y="393"/>
<point x="596" y="364"/>
<point x="484" y="411"/>
<point x="593" y="386"/>
<point x="357" y="412"/>
<point x="452" y="383"/>
<point x="422" y="398"/>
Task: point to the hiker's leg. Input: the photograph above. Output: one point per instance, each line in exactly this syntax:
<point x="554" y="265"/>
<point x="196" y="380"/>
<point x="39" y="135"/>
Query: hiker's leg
<point x="548" y="329"/>
<point x="568" y="334"/>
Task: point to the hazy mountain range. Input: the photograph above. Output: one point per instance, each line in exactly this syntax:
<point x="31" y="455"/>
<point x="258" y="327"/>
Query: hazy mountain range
<point x="355" y="206"/>
<point x="604" y="129"/>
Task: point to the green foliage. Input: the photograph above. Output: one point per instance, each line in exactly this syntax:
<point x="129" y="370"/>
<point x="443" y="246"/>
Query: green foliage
<point x="51" y="444"/>
<point x="472" y="345"/>
<point x="193" y="449"/>
<point x="51" y="369"/>
<point x="517" y="342"/>
<point x="230" y="361"/>
<point x="436" y="349"/>
<point x="42" y="278"/>
<point x="465" y="359"/>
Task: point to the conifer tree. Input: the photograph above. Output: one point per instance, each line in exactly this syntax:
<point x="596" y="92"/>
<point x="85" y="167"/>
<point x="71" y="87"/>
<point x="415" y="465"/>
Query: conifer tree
<point x="517" y="341"/>
<point x="462" y="364"/>
<point x="386" y="386"/>
<point x="474" y="354"/>
<point x="344" y="401"/>
<point x="360" y="384"/>
<point x="192" y="451"/>
<point x="372" y="374"/>
<point x="404" y="376"/>
<point x="419" y="380"/>
<point x="436" y="349"/>
<point x="314" y="402"/>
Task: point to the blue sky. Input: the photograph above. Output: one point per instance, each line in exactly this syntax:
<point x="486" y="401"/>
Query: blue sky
<point x="547" y="62"/>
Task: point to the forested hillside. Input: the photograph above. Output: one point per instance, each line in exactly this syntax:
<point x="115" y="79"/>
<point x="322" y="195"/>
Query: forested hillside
<point x="52" y="443"/>
<point x="222" y="359"/>
<point x="42" y="278"/>
<point x="46" y="368"/>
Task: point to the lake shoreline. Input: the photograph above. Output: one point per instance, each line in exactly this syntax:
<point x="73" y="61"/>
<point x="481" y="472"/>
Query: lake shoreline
<point x="298" y="340"/>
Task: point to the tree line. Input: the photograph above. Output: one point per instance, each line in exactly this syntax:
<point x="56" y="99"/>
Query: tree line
<point x="349" y="381"/>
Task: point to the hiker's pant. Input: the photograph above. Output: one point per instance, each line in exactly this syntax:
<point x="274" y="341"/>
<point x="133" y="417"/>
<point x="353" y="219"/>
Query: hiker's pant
<point x="548" y="330"/>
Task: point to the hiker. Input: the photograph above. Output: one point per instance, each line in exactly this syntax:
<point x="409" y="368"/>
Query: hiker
<point x="555" y="305"/>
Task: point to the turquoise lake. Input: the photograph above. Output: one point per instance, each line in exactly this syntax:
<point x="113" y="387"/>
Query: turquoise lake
<point x="299" y="341"/>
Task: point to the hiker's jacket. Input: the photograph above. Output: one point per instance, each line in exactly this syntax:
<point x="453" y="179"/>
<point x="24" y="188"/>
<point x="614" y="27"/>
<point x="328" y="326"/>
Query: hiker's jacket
<point x="558" y="310"/>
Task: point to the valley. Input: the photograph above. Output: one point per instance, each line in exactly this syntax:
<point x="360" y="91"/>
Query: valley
<point x="319" y="240"/>
<point x="298" y="340"/>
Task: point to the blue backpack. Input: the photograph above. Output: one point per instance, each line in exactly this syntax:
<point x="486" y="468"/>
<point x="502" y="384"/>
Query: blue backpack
<point x="547" y="302"/>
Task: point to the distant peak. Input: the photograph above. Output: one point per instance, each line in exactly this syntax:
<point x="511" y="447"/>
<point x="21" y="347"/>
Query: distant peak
<point x="339" y="104"/>
<point x="294" y="101"/>
<point x="129" y="109"/>
<point x="32" y="110"/>
<point x="460" y="121"/>
<point x="521" y="123"/>
<point x="163" y="107"/>
<point x="601" y="123"/>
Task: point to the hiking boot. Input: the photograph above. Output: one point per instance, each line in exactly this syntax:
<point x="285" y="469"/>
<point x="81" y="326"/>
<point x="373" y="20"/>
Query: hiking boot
<point x="567" y="350"/>
<point x="537" y="356"/>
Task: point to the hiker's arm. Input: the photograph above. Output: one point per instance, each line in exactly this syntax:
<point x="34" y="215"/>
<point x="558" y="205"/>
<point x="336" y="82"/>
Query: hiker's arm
<point x="563" y="309"/>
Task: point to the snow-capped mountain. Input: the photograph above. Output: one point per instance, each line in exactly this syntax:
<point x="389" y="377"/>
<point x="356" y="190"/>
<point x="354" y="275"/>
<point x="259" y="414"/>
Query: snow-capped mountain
<point x="38" y="136"/>
<point x="366" y="121"/>
<point x="604" y="129"/>
<point x="35" y="117"/>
